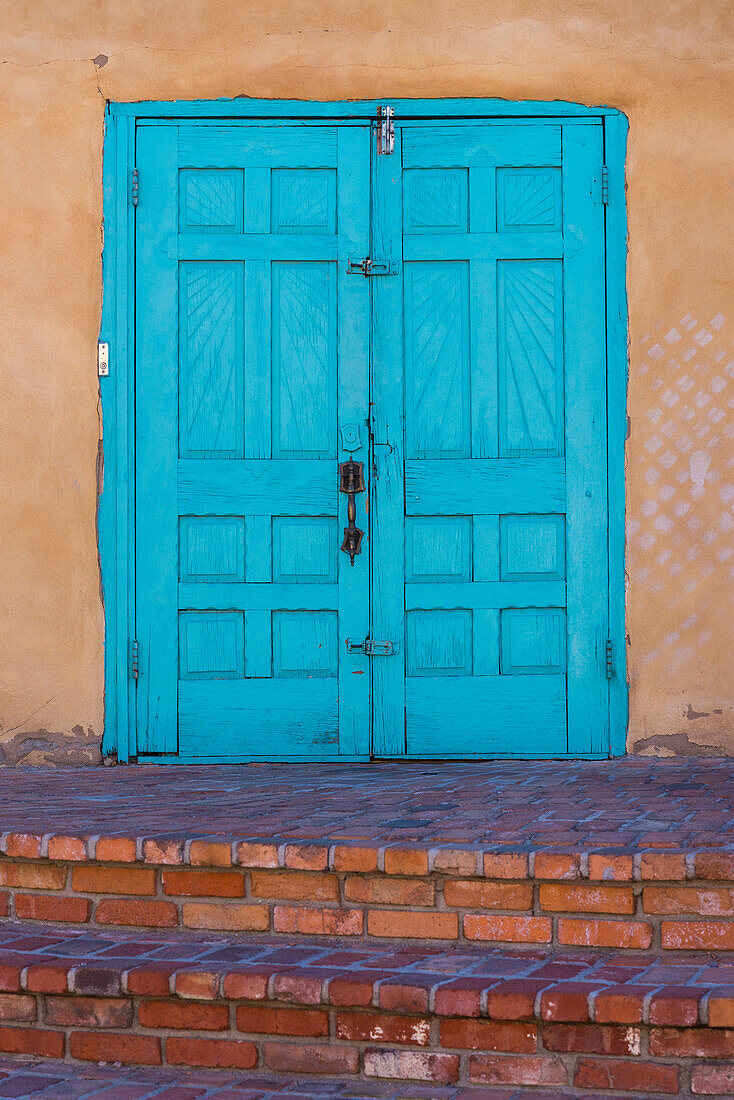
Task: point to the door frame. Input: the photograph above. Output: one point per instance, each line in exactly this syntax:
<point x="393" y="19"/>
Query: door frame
<point x="116" y="462"/>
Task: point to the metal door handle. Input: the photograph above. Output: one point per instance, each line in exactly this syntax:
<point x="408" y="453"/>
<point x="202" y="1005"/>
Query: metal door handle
<point x="351" y="481"/>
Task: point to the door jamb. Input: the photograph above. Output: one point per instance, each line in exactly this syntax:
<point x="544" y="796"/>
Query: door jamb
<point x="115" y="519"/>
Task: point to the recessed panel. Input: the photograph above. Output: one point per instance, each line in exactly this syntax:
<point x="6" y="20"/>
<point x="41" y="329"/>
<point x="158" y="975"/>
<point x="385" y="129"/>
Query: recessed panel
<point x="304" y="360"/>
<point x="528" y="198"/>
<point x="212" y="548"/>
<point x="439" y="643"/>
<point x="210" y="200"/>
<point x="435" y="200"/>
<point x="437" y="360"/>
<point x="305" y="643"/>
<point x="532" y="548"/>
<point x="438" y="548"/>
<point x="210" y="356"/>
<point x="533" y="641"/>
<point x="305" y="550"/>
<point x="304" y="200"/>
<point x="211" y="645"/>
<point x="530" y="361"/>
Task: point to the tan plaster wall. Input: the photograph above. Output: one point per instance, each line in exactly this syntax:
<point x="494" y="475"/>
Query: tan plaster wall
<point x="666" y="63"/>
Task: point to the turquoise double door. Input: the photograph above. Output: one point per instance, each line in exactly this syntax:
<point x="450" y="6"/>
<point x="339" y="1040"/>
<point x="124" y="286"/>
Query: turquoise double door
<point x="434" y="316"/>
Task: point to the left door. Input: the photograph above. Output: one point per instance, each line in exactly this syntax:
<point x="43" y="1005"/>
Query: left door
<point x="251" y="388"/>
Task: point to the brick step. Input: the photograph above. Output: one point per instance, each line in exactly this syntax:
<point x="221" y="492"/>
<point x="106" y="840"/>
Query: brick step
<point x="651" y="900"/>
<point x="47" y="1080"/>
<point x="585" y="1024"/>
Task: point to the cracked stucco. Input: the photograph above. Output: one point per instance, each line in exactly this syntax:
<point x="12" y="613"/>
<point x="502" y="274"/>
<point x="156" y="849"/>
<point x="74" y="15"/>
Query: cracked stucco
<point x="667" y="65"/>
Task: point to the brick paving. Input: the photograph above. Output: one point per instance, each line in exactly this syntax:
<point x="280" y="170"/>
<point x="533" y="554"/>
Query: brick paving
<point x="55" y="1081"/>
<point x="627" y="803"/>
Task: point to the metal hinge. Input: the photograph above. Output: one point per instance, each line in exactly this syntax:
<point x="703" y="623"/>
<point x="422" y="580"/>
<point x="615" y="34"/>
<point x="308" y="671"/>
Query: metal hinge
<point x="134" y="188"/>
<point x="605" y="185"/>
<point x="385" y="132"/>
<point x="134" y="669"/>
<point x="103" y="359"/>
<point x="610" y="659"/>
<point x="372" y="647"/>
<point x="368" y="266"/>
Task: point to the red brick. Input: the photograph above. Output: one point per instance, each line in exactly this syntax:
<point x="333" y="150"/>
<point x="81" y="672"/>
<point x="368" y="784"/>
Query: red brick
<point x="675" y="1006"/>
<point x="519" y="1038"/>
<point x="632" y="1076"/>
<point x="354" y="858"/>
<point x="697" y="935"/>
<point x="294" y="885"/>
<point x="514" y="999"/>
<point x="592" y="1039"/>
<point x="105" y="1046"/>
<point x="620" y="1004"/>
<point x="411" y="993"/>
<point x="557" y="865"/>
<point x="15" y="1007"/>
<point x="298" y="987"/>
<point x="193" y="1015"/>
<point x="311" y="921"/>
<point x="604" y="933"/>
<point x="142" y="914"/>
<point x="151" y="979"/>
<point x="116" y="849"/>
<point x="462" y="997"/>
<point x="248" y="986"/>
<point x="688" y="899"/>
<point x="199" y="985"/>
<point x="113" y="880"/>
<point x="252" y="854"/>
<point x="159" y="850"/>
<point x="4" y="905"/>
<point x="406" y="861"/>
<point x="88" y="1012"/>
<point x="567" y="1002"/>
<point x="226" y="918"/>
<point x="210" y="853"/>
<point x="611" y="867"/>
<point x="28" y="1040"/>
<point x="49" y="907"/>
<point x="23" y="845"/>
<point x="389" y="891"/>
<point x="499" y="1070"/>
<point x="302" y="1058"/>
<point x="269" y="1020"/>
<point x="403" y="924"/>
<point x="33" y="876"/>
<point x="476" y="894"/>
<point x="498" y="929"/>
<point x="454" y="861"/>
<point x="10" y="977"/>
<point x="412" y="1065"/>
<point x="351" y="990"/>
<point x="505" y="865"/>
<point x="379" y="1027"/>
<point x="670" y="866"/>
<point x="712" y="1080"/>
<point x="715" y="865"/>
<point x="47" y="978"/>
<point x="691" y="1042"/>
<point x="720" y="1010"/>
<point x="307" y="857"/>
<point x="587" y="899"/>
<point x="204" y="884"/>
<point x="213" y="1053"/>
<point x="71" y="848"/>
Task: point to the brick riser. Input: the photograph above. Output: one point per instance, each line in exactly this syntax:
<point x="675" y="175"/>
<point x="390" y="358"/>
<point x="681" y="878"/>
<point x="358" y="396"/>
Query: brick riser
<point x="286" y="1020"/>
<point x="653" y="901"/>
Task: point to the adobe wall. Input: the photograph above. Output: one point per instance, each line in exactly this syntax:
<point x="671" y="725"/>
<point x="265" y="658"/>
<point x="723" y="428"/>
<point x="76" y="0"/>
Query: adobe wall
<point x="666" y="65"/>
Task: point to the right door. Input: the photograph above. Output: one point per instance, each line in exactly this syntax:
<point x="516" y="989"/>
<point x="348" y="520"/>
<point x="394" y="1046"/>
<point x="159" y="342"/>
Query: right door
<point x="489" y="493"/>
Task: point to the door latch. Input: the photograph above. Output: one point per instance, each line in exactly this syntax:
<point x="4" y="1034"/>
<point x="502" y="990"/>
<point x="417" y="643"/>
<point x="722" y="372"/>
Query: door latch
<point x="368" y="267"/>
<point x="351" y="481"/>
<point x="373" y="647"/>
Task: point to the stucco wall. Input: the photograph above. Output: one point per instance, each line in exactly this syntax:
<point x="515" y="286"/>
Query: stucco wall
<point x="667" y="65"/>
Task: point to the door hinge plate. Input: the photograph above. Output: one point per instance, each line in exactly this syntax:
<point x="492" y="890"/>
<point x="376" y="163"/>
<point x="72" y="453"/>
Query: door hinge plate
<point x="610" y="659"/>
<point x="134" y="187"/>
<point x="373" y="647"/>
<point x="134" y="667"/>
<point x="103" y="359"/>
<point x="605" y="185"/>
<point x="385" y="131"/>
<point x="368" y="267"/>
